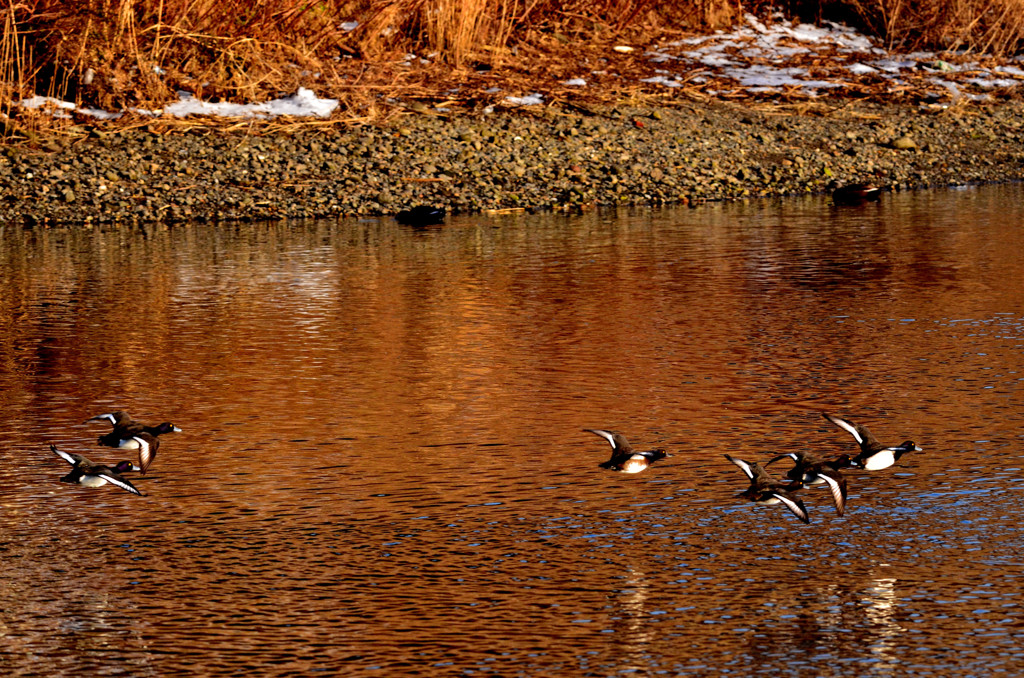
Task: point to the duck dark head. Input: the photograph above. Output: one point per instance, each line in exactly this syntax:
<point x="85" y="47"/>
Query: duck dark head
<point x="841" y="462"/>
<point x="160" y="429"/>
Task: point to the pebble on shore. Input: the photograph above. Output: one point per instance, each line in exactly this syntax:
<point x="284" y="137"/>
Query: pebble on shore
<point x="538" y="158"/>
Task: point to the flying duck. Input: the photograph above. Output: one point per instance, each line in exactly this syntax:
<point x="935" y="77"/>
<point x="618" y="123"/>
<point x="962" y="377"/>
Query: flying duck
<point x="147" y="445"/>
<point x="624" y="458"/>
<point x="873" y="455"/>
<point x="765" y="490"/>
<point x="809" y="470"/>
<point x="123" y="435"/>
<point x="89" y="474"/>
<point x="116" y="419"/>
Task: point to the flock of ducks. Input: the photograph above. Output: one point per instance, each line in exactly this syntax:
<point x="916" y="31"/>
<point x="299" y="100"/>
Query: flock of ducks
<point x="807" y="470"/>
<point x="126" y="435"/>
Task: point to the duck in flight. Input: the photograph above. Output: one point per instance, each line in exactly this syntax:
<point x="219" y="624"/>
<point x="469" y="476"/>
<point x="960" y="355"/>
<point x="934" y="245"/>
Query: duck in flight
<point x="624" y="458"/>
<point x="873" y="455"/>
<point x="131" y="435"/>
<point x="89" y="474"/>
<point x="766" y="490"/>
<point x="809" y="470"/>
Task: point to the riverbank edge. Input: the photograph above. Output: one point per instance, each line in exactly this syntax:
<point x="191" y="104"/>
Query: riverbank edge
<point x="531" y="157"/>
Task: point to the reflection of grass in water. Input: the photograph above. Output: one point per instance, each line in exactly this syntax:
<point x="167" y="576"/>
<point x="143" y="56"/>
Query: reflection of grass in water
<point x="114" y="54"/>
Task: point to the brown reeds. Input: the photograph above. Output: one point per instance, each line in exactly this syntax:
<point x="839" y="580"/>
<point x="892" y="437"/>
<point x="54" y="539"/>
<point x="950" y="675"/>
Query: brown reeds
<point x="121" y="54"/>
<point x="981" y="26"/>
<point x="117" y="54"/>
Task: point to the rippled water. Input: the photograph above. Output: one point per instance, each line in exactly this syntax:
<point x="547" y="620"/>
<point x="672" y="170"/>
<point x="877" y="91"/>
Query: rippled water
<point x="383" y="471"/>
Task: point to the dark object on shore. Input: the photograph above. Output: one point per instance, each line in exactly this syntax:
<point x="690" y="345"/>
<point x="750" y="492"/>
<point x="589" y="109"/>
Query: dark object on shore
<point x="855" y="194"/>
<point x="421" y="215"/>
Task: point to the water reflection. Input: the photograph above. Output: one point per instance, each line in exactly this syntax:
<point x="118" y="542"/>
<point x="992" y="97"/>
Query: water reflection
<point x="382" y="467"/>
<point x="633" y="631"/>
<point x="880" y="603"/>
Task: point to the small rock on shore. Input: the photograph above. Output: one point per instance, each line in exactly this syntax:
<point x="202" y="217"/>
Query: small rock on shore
<point x="537" y="158"/>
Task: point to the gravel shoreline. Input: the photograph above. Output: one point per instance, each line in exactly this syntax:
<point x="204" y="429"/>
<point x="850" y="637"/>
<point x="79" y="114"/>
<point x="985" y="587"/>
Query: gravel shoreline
<point x="543" y="158"/>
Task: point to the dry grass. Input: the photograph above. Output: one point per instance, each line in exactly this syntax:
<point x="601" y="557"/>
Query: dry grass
<point x="117" y="54"/>
<point x="982" y="26"/>
<point x="123" y="54"/>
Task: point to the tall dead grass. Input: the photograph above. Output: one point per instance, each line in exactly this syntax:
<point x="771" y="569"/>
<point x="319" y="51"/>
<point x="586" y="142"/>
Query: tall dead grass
<point x="463" y="30"/>
<point x="120" y="53"/>
<point x="983" y="26"/>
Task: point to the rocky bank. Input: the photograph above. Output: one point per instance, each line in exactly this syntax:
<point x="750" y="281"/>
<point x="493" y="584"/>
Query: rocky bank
<point x="529" y="157"/>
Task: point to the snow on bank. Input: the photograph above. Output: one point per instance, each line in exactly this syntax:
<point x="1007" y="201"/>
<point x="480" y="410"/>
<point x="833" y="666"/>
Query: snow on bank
<point x="756" y="57"/>
<point x="304" y="103"/>
<point x="780" y="56"/>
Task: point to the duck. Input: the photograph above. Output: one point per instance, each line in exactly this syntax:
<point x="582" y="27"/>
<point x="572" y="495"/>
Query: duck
<point x="855" y="194"/>
<point x="421" y="215"/>
<point x="89" y="474"/>
<point x="873" y="456"/>
<point x="116" y="419"/>
<point x="765" y="490"/>
<point x="147" y="444"/>
<point x="123" y="435"/>
<point x="624" y="458"/>
<point x="810" y="471"/>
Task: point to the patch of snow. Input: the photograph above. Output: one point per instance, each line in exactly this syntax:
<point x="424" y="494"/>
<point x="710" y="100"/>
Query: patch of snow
<point x="662" y="80"/>
<point x="99" y="113"/>
<point x="861" y="69"/>
<point x="954" y="90"/>
<point x="989" y="83"/>
<point x="1011" y="70"/>
<point x="303" y="104"/>
<point x="40" y="102"/>
<point x="769" y="76"/>
<point x="765" y="55"/>
<point x="529" y="100"/>
<point x="63" y="109"/>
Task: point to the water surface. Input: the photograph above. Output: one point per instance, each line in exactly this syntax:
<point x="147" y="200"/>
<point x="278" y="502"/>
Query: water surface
<point x="383" y="471"/>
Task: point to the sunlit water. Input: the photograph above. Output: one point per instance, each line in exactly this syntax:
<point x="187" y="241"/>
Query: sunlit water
<point x="383" y="471"/>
